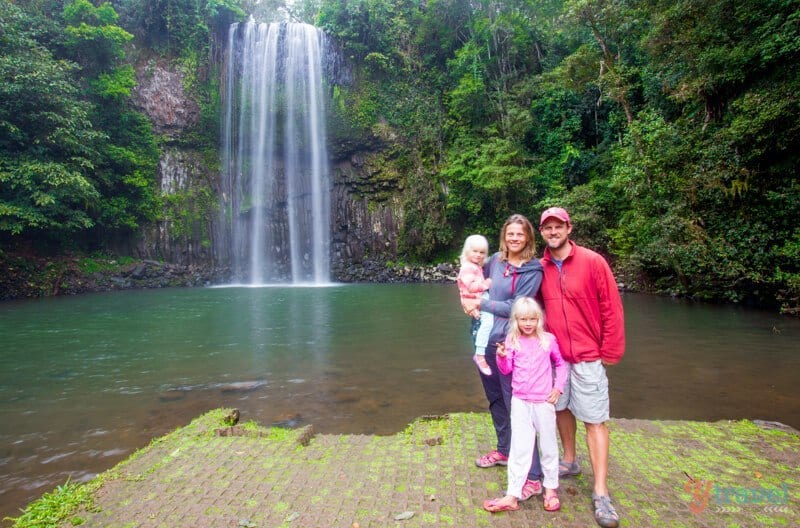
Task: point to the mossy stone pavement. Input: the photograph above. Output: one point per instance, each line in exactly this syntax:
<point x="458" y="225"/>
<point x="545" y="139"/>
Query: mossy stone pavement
<point x="743" y="476"/>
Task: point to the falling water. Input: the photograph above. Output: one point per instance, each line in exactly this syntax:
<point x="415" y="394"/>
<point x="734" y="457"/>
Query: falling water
<point x="276" y="196"/>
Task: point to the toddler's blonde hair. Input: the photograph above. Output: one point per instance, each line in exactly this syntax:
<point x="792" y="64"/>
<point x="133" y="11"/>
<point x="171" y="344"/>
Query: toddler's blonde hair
<point x="474" y="242"/>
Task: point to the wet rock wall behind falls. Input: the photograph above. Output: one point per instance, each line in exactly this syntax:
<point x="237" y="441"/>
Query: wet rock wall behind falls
<point x="366" y="212"/>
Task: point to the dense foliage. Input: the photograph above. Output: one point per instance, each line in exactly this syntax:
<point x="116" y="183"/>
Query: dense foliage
<point x="669" y="128"/>
<point x="77" y="161"/>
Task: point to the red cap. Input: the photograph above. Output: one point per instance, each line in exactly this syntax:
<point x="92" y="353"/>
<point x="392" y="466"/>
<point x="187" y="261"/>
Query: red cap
<point x="555" y="212"/>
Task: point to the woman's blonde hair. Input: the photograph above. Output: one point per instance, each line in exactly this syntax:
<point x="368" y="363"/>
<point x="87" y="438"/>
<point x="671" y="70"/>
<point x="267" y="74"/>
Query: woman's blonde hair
<point x="529" y="251"/>
<point x="474" y="241"/>
<point x="526" y="306"/>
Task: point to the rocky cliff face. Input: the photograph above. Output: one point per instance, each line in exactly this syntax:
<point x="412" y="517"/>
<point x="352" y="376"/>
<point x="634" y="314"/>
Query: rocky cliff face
<point x="160" y="95"/>
<point x="186" y="181"/>
<point x="184" y="233"/>
<point x="366" y="210"/>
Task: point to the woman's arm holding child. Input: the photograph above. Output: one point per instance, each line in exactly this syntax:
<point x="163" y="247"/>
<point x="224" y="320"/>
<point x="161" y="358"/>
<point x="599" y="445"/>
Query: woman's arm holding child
<point x="473" y="279"/>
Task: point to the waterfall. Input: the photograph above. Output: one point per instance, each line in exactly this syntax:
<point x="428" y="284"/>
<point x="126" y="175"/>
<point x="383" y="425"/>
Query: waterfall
<point x="275" y="201"/>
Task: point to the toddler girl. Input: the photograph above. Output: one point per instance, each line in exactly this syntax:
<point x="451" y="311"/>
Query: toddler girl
<point x="529" y="354"/>
<point x="472" y="285"/>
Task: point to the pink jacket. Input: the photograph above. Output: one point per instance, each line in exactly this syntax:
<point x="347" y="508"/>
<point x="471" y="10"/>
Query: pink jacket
<point x="471" y="283"/>
<point x="531" y="367"/>
<point x="583" y="307"/>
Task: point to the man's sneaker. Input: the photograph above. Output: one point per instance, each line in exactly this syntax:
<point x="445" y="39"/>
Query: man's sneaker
<point x="493" y="458"/>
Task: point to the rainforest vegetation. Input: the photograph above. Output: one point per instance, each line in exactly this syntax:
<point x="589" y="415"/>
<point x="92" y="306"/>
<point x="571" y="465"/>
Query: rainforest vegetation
<point x="669" y="129"/>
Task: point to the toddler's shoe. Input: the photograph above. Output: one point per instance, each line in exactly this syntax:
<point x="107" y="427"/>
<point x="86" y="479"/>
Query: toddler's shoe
<point x="483" y="366"/>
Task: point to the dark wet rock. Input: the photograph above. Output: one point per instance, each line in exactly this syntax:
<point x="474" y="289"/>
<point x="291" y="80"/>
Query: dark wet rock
<point x="138" y="271"/>
<point x="232" y="418"/>
<point x="776" y="426"/>
<point x="383" y="271"/>
<point x="307" y="434"/>
<point x="289" y="422"/>
<point x="238" y="430"/>
<point x="242" y="386"/>
<point x="172" y="395"/>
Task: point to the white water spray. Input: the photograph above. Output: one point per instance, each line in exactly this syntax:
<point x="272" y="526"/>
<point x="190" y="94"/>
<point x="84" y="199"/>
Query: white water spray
<point x="276" y="204"/>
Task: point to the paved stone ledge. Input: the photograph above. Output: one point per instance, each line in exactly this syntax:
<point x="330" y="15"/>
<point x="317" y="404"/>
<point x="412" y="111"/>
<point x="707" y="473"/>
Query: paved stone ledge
<point x="743" y="476"/>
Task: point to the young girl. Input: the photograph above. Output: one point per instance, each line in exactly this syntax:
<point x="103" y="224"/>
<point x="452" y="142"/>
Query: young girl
<point x="472" y="285"/>
<point x="529" y="354"/>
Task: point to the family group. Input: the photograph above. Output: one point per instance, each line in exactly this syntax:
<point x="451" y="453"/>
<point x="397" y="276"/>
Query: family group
<point x="544" y="330"/>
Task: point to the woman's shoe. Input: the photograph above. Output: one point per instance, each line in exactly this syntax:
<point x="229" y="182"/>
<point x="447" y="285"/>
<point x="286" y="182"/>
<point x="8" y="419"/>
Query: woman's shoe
<point x="492" y="458"/>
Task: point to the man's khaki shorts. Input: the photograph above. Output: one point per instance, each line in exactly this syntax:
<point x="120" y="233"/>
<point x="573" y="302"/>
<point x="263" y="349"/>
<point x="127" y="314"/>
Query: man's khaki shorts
<point x="586" y="392"/>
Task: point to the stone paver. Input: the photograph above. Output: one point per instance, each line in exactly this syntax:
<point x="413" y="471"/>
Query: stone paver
<point x="743" y="475"/>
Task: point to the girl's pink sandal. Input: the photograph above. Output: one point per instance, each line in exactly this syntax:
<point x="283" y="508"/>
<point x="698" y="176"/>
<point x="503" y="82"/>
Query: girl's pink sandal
<point x="552" y="503"/>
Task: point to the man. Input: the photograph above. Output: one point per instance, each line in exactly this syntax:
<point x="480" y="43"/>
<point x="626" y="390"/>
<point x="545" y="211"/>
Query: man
<point x="584" y="310"/>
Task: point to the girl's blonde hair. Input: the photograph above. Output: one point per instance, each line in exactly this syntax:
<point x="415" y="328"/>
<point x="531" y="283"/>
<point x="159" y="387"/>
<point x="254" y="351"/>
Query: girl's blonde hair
<point x="526" y="306"/>
<point x="474" y="241"/>
<point x="529" y="251"/>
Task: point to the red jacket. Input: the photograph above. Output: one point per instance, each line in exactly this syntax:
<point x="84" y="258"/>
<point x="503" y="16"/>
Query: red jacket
<point x="583" y="307"/>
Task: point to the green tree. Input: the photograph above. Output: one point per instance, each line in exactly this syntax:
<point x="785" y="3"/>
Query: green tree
<point x="717" y="227"/>
<point x="47" y="142"/>
<point x="182" y="27"/>
<point x="487" y="178"/>
<point x="92" y="37"/>
<point x="124" y="173"/>
<point x="614" y="25"/>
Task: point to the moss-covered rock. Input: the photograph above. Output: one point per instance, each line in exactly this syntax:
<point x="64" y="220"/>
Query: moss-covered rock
<point x="662" y="473"/>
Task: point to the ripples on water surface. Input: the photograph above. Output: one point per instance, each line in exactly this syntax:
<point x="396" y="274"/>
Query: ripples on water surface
<point x="89" y="379"/>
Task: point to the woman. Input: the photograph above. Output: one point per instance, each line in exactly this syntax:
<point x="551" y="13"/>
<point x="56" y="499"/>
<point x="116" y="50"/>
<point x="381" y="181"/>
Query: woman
<point x="515" y="272"/>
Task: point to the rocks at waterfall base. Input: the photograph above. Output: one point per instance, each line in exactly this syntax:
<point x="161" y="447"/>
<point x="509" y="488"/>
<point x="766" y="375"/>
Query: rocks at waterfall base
<point x="27" y="276"/>
<point x="388" y="272"/>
